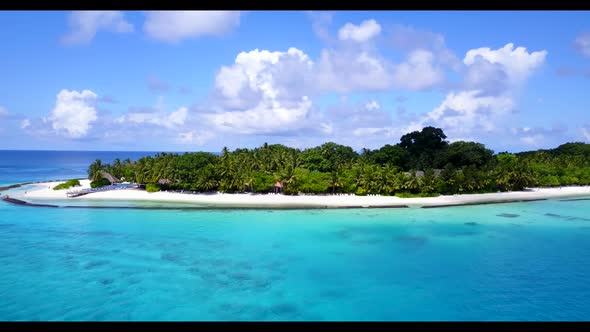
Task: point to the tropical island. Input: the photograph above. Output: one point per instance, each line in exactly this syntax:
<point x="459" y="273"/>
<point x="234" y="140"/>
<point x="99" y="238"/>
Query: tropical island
<point x="423" y="168"/>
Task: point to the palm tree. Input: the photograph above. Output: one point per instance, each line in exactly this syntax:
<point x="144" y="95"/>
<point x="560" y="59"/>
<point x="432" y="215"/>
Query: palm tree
<point x="335" y="181"/>
<point x="94" y="170"/>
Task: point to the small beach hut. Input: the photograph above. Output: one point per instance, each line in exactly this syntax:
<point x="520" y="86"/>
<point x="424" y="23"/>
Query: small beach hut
<point x="278" y="187"/>
<point x="108" y="176"/>
<point x="165" y="181"/>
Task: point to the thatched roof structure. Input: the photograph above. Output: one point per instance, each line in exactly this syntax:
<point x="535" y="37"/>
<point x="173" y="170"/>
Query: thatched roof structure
<point x="108" y="176"/>
<point x="165" y="181"/>
<point x="420" y="174"/>
<point x="278" y="184"/>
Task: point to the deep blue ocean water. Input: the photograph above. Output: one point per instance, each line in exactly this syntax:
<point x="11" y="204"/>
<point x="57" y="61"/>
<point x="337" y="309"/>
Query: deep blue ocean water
<point x="516" y="261"/>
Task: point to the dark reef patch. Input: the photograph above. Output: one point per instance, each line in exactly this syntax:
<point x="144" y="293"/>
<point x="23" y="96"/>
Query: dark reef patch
<point x="569" y="218"/>
<point x="508" y="215"/>
<point x="170" y="257"/>
<point x="471" y="223"/>
<point x="285" y="309"/>
<point x="575" y="199"/>
<point x="554" y="215"/>
<point x="106" y="281"/>
<point x="94" y="264"/>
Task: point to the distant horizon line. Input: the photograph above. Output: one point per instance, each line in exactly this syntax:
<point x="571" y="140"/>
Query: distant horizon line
<point x="187" y="151"/>
<point x="214" y="152"/>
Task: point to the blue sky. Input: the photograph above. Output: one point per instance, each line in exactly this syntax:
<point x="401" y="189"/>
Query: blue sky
<point x="188" y="81"/>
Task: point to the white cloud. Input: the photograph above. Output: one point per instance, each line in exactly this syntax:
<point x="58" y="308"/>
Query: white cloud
<point x="264" y="92"/>
<point x="73" y="113"/>
<point x="85" y="24"/>
<point x="3" y="111"/>
<point x="172" y="120"/>
<point x="320" y="22"/>
<point x="327" y="128"/>
<point x="174" y="26"/>
<point x="194" y="137"/>
<point x="373" y="131"/>
<point x="346" y="72"/>
<point x="269" y="116"/>
<point x="418" y="72"/>
<point x="367" y="30"/>
<point x="463" y="112"/>
<point x="586" y="133"/>
<point x="350" y="71"/>
<point x="532" y="139"/>
<point x="258" y="75"/>
<point x="410" y="39"/>
<point x="517" y="63"/>
<point x="372" y="105"/>
<point x="490" y="78"/>
<point x="582" y="43"/>
<point x="25" y="124"/>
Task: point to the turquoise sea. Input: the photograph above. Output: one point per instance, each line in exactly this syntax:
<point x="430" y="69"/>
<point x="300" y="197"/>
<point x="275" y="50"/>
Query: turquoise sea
<point x="518" y="261"/>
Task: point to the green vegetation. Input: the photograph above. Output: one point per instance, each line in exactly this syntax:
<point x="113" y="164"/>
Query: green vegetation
<point x="99" y="183"/>
<point x="67" y="185"/>
<point x="152" y="187"/>
<point x="422" y="164"/>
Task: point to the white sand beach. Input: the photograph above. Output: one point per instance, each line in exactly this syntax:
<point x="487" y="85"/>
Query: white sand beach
<point x="43" y="191"/>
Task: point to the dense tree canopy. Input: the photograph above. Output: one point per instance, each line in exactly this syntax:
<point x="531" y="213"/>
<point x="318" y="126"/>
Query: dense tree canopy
<point x="461" y="154"/>
<point x="459" y="167"/>
<point x="423" y="146"/>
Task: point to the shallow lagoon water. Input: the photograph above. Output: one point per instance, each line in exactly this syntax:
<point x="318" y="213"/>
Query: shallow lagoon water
<point x="460" y="263"/>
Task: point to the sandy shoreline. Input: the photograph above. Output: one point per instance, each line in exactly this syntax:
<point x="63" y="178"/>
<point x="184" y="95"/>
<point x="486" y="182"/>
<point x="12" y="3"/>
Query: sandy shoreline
<point x="43" y="191"/>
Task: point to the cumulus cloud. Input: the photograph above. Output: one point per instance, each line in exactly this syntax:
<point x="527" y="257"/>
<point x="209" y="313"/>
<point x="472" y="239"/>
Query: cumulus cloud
<point x="174" y="26"/>
<point x="373" y="131"/>
<point x="463" y="112"/>
<point x="25" y="124"/>
<point x="257" y="75"/>
<point x="158" y="118"/>
<point x="271" y="93"/>
<point x="528" y="136"/>
<point x="319" y="23"/>
<point x="85" y="24"/>
<point x="195" y="137"/>
<point x="266" y="118"/>
<point x="409" y="39"/>
<point x="586" y="132"/>
<point x="73" y="113"/>
<point x="582" y="44"/>
<point x="346" y="71"/>
<point x="490" y="78"/>
<point x="372" y="105"/>
<point x="535" y="136"/>
<point x="517" y="64"/>
<point x="418" y="72"/>
<point x="366" y="31"/>
<point x="349" y="71"/>
<point x="264" y="92"/>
